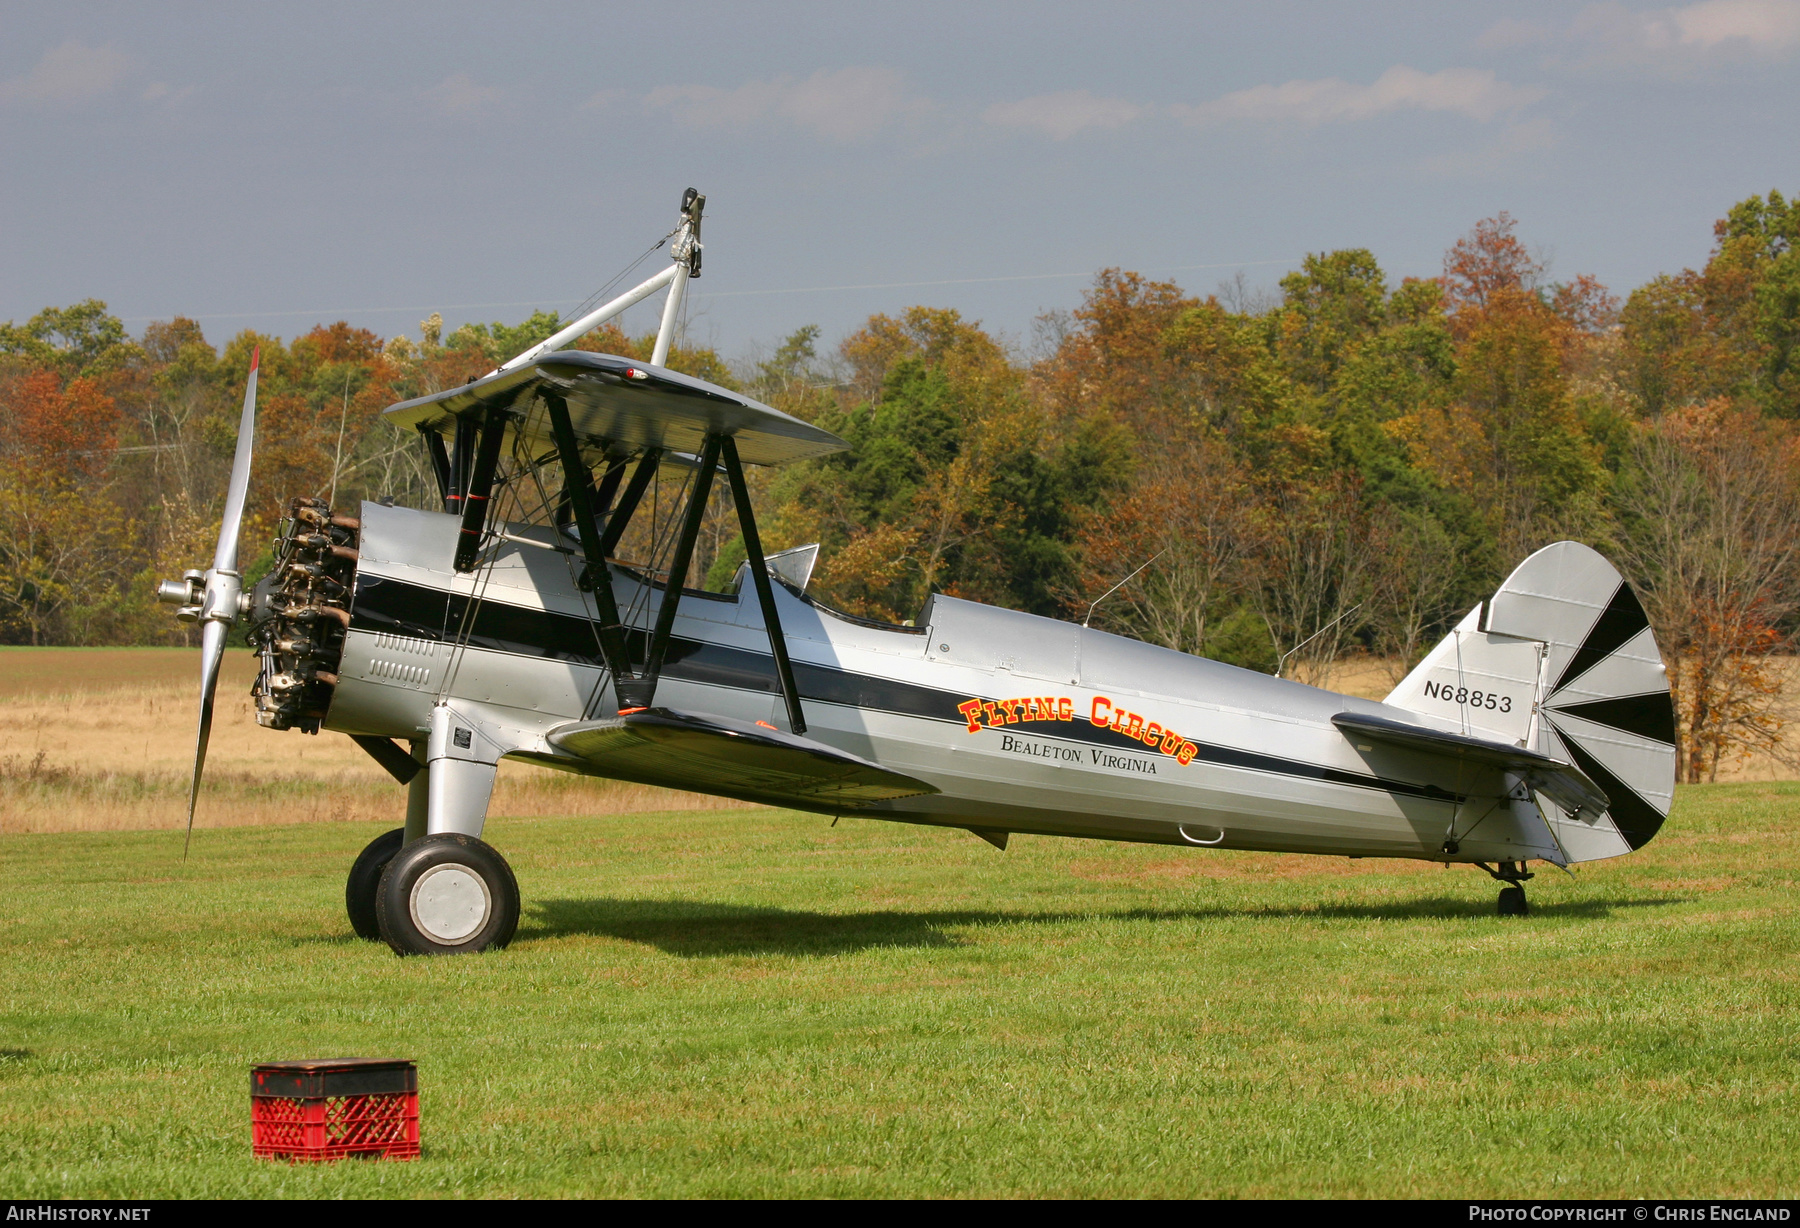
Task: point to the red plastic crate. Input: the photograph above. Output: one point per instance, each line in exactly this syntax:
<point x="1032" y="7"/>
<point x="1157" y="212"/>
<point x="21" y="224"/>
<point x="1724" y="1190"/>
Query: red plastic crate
<point x="326" y="1110"/>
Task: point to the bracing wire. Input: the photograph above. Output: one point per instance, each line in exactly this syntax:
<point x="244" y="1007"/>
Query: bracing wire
<point x="662" y="543"/>
<point x="506" y="486"/>
<point x="589" y="609"/>
<point x="595" y="298"/>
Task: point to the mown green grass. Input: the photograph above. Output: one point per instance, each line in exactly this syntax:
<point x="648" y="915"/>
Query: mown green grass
<point x="754" y="1003"/>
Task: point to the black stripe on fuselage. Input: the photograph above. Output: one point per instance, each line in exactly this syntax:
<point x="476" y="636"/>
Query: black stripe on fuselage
<point x="397" y="607"/>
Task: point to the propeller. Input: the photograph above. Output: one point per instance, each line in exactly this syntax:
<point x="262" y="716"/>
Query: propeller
<point x="214" y="598"/>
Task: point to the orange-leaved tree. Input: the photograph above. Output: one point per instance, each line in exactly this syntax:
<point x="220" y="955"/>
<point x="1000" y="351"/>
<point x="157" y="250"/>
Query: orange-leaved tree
<point x="1509" y="439"/>
<point x="62" y="541"/>
<point x="1710" y="534"/>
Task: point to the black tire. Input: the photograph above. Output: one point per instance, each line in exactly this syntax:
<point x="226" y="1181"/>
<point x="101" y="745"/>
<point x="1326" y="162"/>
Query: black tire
<point x="365" y="879"/>
<point x="1512" y="902"/>
<point x="447" y="895"/>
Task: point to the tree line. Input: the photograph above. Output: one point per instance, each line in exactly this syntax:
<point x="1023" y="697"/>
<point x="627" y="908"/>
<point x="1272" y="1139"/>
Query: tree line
<point x="1285" y="481"/>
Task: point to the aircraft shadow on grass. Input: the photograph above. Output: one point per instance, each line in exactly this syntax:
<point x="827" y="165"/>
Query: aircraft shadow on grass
<point x="698" y="929"/>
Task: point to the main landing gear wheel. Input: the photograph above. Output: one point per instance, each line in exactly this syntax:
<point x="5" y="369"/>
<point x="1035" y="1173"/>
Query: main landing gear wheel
<point x="365" y="879"/>
<point x="447" y="895"/>
<point x="1512" y="902"/>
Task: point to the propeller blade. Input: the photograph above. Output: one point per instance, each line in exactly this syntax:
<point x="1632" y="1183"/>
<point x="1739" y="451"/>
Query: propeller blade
<point x="212" y="652"/>
<point x="235" y="495"/>
<point x="219" y="604"/>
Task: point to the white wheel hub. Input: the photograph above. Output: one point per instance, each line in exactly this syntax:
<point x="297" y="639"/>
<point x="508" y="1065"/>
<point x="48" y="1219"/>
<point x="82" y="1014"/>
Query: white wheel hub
<point x="449" y="903"/>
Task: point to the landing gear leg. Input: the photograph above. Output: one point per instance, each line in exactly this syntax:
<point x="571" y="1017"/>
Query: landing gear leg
<point x="418" y="801"/>
<point x="365" y="875"/>
<point x="1512" y="896"/>
<point x="444" y="891"/>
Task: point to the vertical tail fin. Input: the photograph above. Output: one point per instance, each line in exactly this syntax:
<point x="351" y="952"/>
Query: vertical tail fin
<point x="1562" y="660"/>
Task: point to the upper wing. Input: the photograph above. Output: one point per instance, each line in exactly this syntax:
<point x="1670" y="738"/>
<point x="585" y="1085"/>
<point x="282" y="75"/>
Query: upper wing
<point x="1563" y="783"/>
<point x="623" y="401"/>
<point x="711" y="754"/>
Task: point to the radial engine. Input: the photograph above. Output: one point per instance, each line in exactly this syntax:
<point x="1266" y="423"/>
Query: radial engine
<point x="299" y="613"/>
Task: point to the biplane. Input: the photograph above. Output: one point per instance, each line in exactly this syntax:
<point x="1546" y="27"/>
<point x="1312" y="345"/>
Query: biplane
<point x="509" y="623"/>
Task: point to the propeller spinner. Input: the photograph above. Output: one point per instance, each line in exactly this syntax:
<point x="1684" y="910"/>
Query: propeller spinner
<point x="215" y="598"/>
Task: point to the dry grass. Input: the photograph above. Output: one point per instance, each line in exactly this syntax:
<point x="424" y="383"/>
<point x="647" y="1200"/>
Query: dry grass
<point x="102" y="739"/>
<point x="1362" y="676"/>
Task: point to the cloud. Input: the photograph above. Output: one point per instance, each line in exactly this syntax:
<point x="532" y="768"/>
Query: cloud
<point x="1710" y="29"/>
<point x="1767" y="24"/>
<point x="1065" y="114"/>
<point x="73" y="72"/>
<point x="847" y="104"/>
<point x="1474" y="92"/>
<point x="457" y="95"/>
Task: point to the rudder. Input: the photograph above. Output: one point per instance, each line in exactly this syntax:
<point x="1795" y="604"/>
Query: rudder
<point x="1563" y="661"/>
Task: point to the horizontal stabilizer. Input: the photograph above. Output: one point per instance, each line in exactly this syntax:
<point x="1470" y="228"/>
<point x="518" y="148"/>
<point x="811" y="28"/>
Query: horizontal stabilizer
<point x="729" y="758"/>
<point x="1563" y="783"/>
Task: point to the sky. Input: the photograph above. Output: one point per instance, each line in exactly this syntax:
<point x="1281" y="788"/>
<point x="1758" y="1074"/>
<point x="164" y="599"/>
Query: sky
<point x="256" y="166"/>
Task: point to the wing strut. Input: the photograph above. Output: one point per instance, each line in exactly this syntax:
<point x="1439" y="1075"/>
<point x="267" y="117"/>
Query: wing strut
<point x="759" y="571"/>
<point x="634" y="493"/>
<point x="609" y="488"/>
<point x="460" y="452"/>
<point x="578" y="483"/>
<point x="481" y="485"/>
<point x="640" y="691"/>
<point x="600" y="495"/>
<point x="440" y="462"/>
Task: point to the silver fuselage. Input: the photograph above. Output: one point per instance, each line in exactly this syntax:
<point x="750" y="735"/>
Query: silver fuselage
<point x="1015" y="718"/>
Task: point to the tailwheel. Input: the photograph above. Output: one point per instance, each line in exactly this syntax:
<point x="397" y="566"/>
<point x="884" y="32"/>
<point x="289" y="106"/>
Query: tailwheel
<point x="447" y="895"/>
<point x="365" y="880"/>
<point x="1512" y="896"/>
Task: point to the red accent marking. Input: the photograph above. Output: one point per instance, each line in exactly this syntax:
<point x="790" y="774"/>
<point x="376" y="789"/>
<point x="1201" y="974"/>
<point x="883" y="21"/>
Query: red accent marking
<point x="629" y="711"/>
<point x="766" y="725"/>
<point x="255" y="357"/>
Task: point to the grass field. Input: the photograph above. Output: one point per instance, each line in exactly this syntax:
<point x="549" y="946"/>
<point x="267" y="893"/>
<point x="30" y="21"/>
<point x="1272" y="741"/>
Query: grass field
<point x="756" y="1003"/>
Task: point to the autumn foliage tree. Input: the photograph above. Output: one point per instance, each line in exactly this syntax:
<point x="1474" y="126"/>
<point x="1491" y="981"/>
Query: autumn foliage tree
<point x="1336" y="470"/>
<point x="1710" y="530"/>
<point x="60" y="538"/>
<point x="1165" y="560"/>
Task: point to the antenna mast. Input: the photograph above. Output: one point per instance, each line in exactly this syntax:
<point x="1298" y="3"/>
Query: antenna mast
<point x="686" y="253"/>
